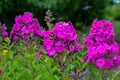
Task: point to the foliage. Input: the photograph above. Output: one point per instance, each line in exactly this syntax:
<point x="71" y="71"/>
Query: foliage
<point x="112" y="12"/>
<point x="24" y="60"/>
<point x="80" y="12"/>
<point x="116" y="28"/>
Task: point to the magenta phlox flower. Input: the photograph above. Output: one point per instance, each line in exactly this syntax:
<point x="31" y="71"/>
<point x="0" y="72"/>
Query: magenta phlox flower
<point x="108" y="63"/>
<point x="100" y="62"/>
<point x="63" y="36"/>
<point x="101" y="44"/>
<point x="3" y="31"/>
<point x="60" y="47"/>
<point x="25" y="25"/>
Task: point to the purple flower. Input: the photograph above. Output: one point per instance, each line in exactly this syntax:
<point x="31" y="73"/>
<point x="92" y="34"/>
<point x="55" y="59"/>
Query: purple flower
<point x="60" y="38"/>
<point x="100" y="62"/>
<point x="5" y="34"/>
<point x="27" y="17"/>
<point x="39" y="53"/>
<point x="116" y="60"/>
<point x="101" y="44"/>
<point x="18" y="18"/>
<point x="115" y="48"/>
<point x="60" y="47"/>
<point x="3" y="27"/>
<point x="88" y="42"/>
<point x="16" y="27"/>
<point x="101" y="49"/>
<point x="3" y="31"/>
<point x="51" y="51"/>
<point x="0" y="71"/>
<point x="48" y="43"/>
<point x="71" y="48"/>
<point x="65" y="30"/>
<point x="108" y="63"/>
<point x="79" y="46"/>
<point x="72" y="74"/>
<point x="26" y="27"/>
<point x="92" y="53"/>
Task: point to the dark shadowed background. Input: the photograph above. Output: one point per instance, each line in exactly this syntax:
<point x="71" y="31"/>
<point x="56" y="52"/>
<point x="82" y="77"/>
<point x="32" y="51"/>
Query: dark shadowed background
<point x="80" y="12"/>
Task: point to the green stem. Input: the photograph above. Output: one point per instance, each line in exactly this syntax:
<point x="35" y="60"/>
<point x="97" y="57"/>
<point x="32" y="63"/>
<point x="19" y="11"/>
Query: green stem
<point x="102" y="74"/>
<point x="116" y="74"/>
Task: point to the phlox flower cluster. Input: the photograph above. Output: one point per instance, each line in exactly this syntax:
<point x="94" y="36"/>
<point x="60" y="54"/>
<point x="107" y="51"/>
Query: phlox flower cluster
<point x="101" y="45"/>
<point x="62" y="37"/>
<point x="3" y="31"/>
<point x="26" y="26"/>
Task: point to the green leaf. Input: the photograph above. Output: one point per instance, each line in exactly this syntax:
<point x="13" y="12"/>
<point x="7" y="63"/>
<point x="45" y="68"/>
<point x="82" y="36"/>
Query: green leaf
<point x="38" y="77"/>
<point x="7" y="39"/>
<point x="44" y="52"/>
<point x="25" y="75"/>
<point x="10" y="54"/>
<point x="64" y="58"/>
<point x="50" y="26"/>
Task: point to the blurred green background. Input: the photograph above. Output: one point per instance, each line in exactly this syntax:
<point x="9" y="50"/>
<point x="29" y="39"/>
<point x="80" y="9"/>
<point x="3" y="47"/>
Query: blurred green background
<point x="80" y="12"/>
